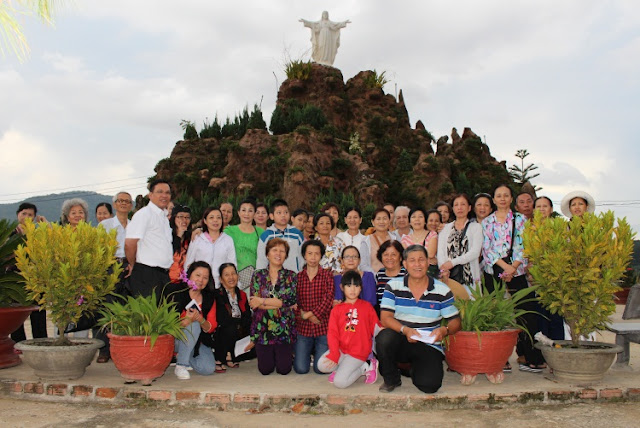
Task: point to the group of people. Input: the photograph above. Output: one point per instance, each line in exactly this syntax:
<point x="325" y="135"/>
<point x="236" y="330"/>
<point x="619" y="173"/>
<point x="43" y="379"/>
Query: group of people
<point x="302" y="294"/>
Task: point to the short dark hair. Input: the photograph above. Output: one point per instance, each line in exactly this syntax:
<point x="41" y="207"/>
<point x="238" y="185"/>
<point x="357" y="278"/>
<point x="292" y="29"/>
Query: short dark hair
<point x="249" y="201"/>
<point x="205" y="228"/>
<point x="351" y="247"/>
<point x="378" y="211"/>
<point x="223" y="266"/>
<point x="299" y="211"/>
<point x="312" y="243"/>
<point x="463" y="196"/>
<point x="154" y="183"/>
<point x="277" y="203"/>
<point x="544" y="197"/>
<point x="274" y="243"/>
<point x="418" y="209"/>
<point x="351" y="277"/>
<point x="413" y="248"/>
<point x="523" y="192"/>
<point x="502" y="185"/>
<point x="107" y="205"/>
<point x="199" y="264"/>
<point x="434" y="211"/>
<point x="331" y="205"/>
<point x="356" y="209"/>
<point x="27" y="206"/>
<point x="390" y="243"/>
<point x="317" y="218"/>
<point x="443" y="204"/>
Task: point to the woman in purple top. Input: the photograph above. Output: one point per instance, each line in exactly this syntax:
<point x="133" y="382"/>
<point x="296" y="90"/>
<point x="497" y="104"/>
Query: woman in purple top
<point x="350" y="261"/>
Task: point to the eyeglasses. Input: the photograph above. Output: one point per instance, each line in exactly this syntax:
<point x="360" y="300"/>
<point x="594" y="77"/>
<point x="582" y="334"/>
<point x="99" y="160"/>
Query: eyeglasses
<point x="123" y="201"/>
<point x="183" y="217"/>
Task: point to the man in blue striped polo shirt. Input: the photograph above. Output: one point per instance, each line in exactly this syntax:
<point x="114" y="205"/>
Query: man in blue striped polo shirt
<point x="412" y="309"/>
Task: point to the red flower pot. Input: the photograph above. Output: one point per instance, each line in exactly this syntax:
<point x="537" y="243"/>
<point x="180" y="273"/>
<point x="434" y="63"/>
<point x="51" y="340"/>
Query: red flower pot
<point x="469" y="353"/>
<point x="10" y="319"/>
<point x="137" y="361"/>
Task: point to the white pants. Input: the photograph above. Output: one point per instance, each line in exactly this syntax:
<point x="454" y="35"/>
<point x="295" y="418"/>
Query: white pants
<point x="348" y="371"/>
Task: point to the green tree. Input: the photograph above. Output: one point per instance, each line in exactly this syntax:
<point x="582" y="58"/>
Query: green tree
<point x="190" y="132"/>
<point x="521" y="173"/>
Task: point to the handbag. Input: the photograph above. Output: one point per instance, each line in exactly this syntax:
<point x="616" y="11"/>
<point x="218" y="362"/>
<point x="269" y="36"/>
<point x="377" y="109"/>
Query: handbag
<point x="457" y="272"/>
<point x="497" y="270"/>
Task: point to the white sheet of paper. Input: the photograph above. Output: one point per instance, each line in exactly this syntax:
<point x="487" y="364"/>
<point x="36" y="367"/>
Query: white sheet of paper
<point x="425" y="337"/>
<point x="240" y="345"/>
<point x="192" y="304"/>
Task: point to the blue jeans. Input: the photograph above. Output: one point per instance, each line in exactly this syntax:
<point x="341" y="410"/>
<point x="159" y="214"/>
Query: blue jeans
<point x="304" y="346"/>
<point x="205" y="362"/>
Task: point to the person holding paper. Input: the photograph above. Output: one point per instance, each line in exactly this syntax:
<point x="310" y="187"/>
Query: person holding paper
<point x="195" y="303"/>
<point x="412" y="309"/>
<point x="233" y="317"/>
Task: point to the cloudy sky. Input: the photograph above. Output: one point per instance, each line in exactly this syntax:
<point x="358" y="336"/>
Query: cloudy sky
<point x="100" y="98"/>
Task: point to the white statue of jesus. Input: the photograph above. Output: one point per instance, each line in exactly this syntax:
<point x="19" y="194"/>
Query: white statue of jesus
<point x="325" y="38"/>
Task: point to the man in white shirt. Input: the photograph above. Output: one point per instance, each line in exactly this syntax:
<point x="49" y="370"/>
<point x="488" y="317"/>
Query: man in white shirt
<point x="148" y="244"/>
<point x="123" y="203"/>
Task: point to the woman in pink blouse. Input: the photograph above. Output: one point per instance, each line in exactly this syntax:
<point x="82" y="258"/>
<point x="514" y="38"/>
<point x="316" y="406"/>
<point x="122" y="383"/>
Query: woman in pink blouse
<point x="424" y="232"/>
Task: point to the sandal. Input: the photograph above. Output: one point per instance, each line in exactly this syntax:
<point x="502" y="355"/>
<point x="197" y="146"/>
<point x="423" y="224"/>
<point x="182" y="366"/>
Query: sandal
<point x="507" y="368"/>
<point x="529" y="368"/>
<point x="230" y="364"/>
<point x="220" y="368"/>
<point x="103" y="359"/>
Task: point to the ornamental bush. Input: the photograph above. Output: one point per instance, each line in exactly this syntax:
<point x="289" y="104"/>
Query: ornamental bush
<point x="68" y="271"/>
<point x="577" y="265"/>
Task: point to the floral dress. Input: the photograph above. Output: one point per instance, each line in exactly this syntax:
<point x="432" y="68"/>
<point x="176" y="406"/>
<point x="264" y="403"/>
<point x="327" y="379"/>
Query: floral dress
<point x="332" y="253"/>
<point x="274" y="326"/>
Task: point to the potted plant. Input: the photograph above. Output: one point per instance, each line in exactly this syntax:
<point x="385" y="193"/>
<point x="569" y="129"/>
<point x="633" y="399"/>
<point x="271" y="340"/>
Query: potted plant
<point x="69" y="272"/>
<point x="488" y="333"/>
<point x="15" y="306"/>
<point x="577" y="265"/>
<point x="143" y="332"/>
<point x="629" y="279"/>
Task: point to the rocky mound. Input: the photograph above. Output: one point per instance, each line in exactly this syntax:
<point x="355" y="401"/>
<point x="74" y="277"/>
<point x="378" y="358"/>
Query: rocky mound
<point x="351" y="137"/>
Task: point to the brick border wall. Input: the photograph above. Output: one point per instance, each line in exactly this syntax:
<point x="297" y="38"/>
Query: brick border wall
<point x="322" y="403"/>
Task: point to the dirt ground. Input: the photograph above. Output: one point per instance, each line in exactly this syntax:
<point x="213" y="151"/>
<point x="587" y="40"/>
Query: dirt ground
<point x="23" y="413"/>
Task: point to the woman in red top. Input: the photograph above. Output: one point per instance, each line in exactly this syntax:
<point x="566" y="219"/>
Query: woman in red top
<point x="352" y="327"/>
<point x="196" y="306"/>
<point x="314" y="294"/>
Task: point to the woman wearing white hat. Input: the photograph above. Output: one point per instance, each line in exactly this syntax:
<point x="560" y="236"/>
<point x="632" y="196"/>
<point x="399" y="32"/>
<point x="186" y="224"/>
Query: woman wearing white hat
<point x="577" y="203"/>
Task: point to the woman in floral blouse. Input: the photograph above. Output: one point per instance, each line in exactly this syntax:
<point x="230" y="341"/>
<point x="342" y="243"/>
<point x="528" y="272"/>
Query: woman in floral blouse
<point x="324" y="224"/>
<point x="504" y="260"/>
<point x="273" y="299"/>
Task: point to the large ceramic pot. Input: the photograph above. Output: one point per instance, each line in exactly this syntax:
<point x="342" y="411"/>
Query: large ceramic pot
<point x="588" y="363"/>
<point x="10" y="319"/>
<point x="136" y="360"/>
<point x="470" y="353"/>
<point x="59" y="362"/>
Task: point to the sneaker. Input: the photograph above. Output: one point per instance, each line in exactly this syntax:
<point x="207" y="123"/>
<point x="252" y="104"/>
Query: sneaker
<point x="182" y="373"/>
<point x="331" y="377"/>
<point x="371" y="375"/>
<point x="529" y="368"/>
<point x="385" y="387"/>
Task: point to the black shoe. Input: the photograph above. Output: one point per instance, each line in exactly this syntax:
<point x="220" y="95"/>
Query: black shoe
<point x="385" y="387"/>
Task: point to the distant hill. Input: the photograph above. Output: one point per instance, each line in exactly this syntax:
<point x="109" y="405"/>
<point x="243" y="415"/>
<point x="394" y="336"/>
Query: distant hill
<point x="50" y="205"/>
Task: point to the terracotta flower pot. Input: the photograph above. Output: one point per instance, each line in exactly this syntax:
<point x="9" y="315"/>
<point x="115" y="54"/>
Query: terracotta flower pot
<point x="137" y="361"/>
<point x="10" y="319"/>
<point x="468" y="354"/>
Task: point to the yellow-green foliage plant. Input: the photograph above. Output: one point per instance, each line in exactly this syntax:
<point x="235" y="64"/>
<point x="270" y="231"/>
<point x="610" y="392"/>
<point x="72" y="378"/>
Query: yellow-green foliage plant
<point x="577" y="265"/>
<point x="68" y="271"/>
